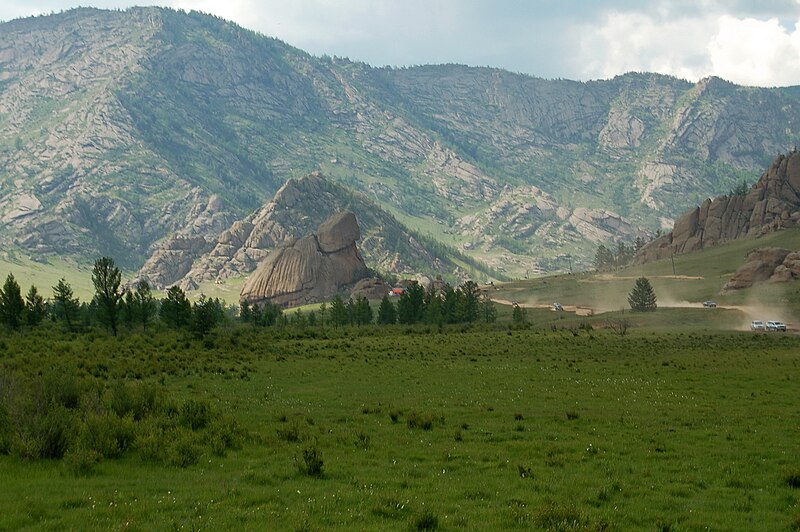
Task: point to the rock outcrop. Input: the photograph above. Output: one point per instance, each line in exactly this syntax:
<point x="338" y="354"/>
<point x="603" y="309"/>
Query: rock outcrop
<point x="771" y="204"/>
<point x="765" y="264"/>
<point x="311" y="269"/>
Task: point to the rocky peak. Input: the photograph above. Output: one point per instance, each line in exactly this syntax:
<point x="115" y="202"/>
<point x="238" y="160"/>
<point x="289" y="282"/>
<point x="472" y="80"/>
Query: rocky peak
<point x="773" y="203"/>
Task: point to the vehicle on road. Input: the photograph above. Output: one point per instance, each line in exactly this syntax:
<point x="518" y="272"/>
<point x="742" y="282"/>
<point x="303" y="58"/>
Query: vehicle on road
<point x="757" y="325"/>
<point x="709" y="304"/>
<point x="557" y="307"/>
<point x="776" y="326"/>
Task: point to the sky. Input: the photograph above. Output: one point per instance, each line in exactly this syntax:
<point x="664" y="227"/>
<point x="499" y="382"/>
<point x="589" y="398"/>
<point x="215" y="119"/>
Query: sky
<point x="748" y="42"/>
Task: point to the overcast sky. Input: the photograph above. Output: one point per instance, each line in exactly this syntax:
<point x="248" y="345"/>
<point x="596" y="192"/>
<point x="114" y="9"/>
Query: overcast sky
<point x="750" y="42"/>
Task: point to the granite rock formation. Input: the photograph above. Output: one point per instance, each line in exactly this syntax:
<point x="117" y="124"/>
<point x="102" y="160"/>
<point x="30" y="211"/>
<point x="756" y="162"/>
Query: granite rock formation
<point x="776" y="265"/>
<point x="311" y="269"/>
<point x="771" y="204"/>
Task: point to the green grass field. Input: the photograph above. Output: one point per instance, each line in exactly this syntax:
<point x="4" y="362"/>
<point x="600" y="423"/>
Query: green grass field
<point x="467" y="429"/>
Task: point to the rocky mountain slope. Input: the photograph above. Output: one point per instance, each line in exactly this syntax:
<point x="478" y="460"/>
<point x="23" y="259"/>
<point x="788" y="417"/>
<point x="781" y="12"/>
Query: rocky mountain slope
<point x="771" y="204"/>
<point x="122" y="130"/>
<point x="297" y="209"/>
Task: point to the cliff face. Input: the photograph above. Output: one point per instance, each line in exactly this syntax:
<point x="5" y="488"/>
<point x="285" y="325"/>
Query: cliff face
<point x="771" y="204"/>
<point x="118" y="128"/>
<point x="311" y="269"/>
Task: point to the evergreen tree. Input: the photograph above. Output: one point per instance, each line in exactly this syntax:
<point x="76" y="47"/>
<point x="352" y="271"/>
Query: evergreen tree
<point x="206" y="314"/>
<point x="272" y="314"/>
<point x="35" y="307"/>
<point x="642" y="298"/>
<point x="487" y="310"/>
<point x="387" y="315"/>
<point x="106" y="278"/>
<point x="65" y="306"/>
<point x="338" y="312"/>
<point x="362" y="312"/>
<point x="433" y="308"/>
<point x="519" y="315"/>
<point x="323" y="309"/>
<point x="245" y="315"/>
<point x="467" y="308"/>
<point x="144" y="303"/>
<point x="603" y="259"/>
<point x="176" y="311"/>
<point x="127" y="309"/>
<point x="12" y="306"/>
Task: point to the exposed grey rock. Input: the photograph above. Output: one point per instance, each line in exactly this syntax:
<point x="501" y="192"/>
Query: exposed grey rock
<point x="301" y="271"/>
<point x="761" y="265"/>
<point x="371" y="288"/>
<point x="770" y="205"/>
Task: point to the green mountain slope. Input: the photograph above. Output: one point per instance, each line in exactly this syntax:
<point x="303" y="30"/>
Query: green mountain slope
<point x="119" y="129"/>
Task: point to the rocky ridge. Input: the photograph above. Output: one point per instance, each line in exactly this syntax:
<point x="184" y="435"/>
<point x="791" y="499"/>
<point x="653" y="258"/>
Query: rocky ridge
<point x="771" y="204"/>
<point x="297" y="209"/>
<point x="194" y="107"/>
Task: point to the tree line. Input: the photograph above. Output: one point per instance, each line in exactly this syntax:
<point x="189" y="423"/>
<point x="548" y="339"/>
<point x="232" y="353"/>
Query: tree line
<point x="136" y="308"/>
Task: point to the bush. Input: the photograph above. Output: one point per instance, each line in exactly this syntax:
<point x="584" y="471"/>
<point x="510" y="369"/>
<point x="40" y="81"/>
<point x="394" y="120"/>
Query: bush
<point x="137" y="399"/>
<point x="195" y="414"/>
<point x="82" y="462"/>
<point x="184" y="450"/>
<point x="44" y="434"/>
<point x="423" y="421"/>
<point x="425" y="521"/>
<point x="108" y="435"/>
<point x="312" y="464"/>
<point x="792" y="478"/>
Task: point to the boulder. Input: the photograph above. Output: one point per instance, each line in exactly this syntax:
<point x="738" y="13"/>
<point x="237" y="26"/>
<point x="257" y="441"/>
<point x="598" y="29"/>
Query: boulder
<point x="304" y="271"/>
<point x="371" y="288"/>
<point x="760" y="266"/>
<point x="338" y="232"/>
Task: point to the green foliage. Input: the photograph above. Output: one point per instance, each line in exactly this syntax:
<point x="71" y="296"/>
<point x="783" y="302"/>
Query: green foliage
<point x="311" y="463"/>
<point x="35" y="307"/>
<point x="12" y="306"/>
<point x="144" y="304"/>
<point x="175" y="311"/>
<point x="106" y="278"/>
<point x="66" y="306"/>
<point x="206" y="314"/>
<point x="338" y="312"/>
<point x="642" y="297"/>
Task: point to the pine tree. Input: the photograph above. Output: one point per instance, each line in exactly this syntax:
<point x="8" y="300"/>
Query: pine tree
<point x="144" y="303"/>
<point x="642" y="298"/>
<point x="387" y="315"/>
<point x="338" y="312"/>
<point x="488" y="311"/>
<point x="12" y="305"/>
<point x="35" y="307"/>
<point x="176" y="311"/>
<point x="107" y="278"/>
<point x="66" y="306"/>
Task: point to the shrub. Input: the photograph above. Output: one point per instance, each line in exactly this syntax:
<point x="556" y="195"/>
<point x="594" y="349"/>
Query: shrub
<point x="423" y="421"/>
<point x="195" y="414"/>
<point x="224" y="435"/>
<point x="792" y="478"/>
<point x="44" y="434"/>
<point x="183" y="450"/>
<point x="107" y="435"/>
<point x="82" y="462"/>
<point x="427" y="520"/>
<point x="139" y="400"/>
<point x="312" y="464"/>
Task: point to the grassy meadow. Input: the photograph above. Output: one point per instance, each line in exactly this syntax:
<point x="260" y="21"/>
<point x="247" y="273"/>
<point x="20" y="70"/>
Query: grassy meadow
<point x="417" y="428"/>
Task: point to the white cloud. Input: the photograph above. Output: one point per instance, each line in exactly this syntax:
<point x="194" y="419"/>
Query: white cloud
<point x="742" y="50"/>
<point x="756" y="52"/>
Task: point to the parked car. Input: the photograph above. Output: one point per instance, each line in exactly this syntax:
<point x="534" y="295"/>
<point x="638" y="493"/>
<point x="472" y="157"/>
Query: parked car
<point x="757" y="325"/>
<point x="557" y="306"/>
<point x="709" y="304"/>
<point x="776" y="326"/>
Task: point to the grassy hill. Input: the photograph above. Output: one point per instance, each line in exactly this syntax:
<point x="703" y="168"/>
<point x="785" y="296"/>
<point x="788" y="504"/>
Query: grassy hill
<point x="696" y="277"/>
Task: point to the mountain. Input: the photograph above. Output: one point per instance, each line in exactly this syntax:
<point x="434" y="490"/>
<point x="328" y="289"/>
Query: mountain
<point x="121" y="129"/>
<point x="298" y="208"/>
<point x="771" y="204"/>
